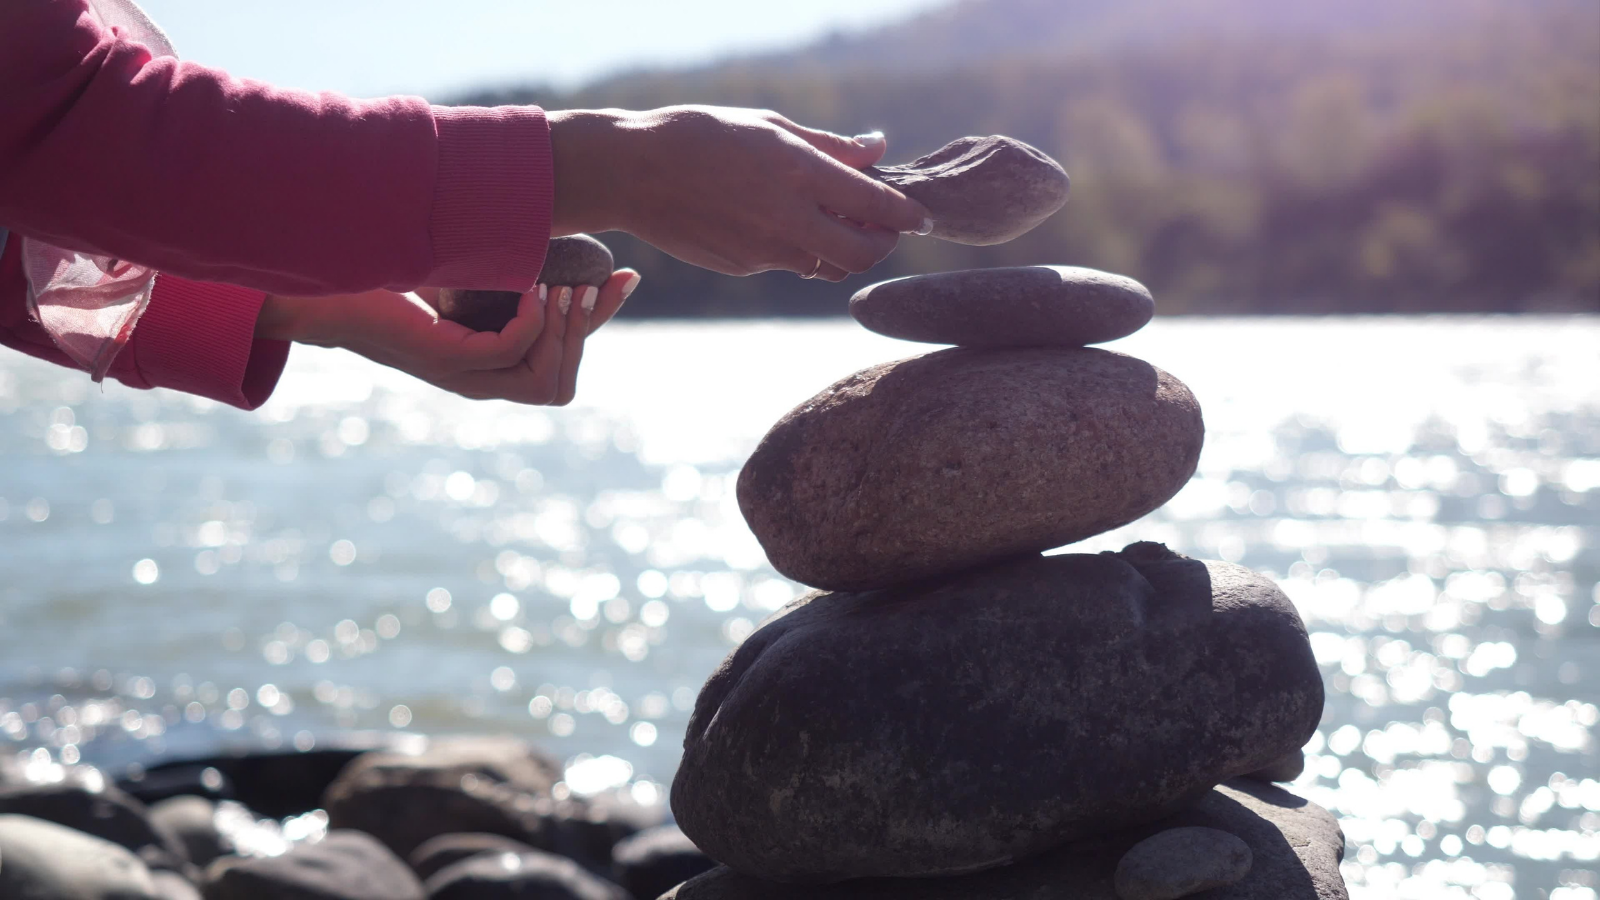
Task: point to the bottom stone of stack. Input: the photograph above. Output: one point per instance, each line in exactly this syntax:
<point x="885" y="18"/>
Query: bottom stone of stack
<point x="941" y="728"/>
<point x="1295" y="850"/>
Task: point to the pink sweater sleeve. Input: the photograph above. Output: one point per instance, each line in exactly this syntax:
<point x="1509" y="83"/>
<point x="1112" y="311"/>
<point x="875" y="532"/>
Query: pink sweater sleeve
<point x="218" y="179"/>
<point x="193" y="337"/>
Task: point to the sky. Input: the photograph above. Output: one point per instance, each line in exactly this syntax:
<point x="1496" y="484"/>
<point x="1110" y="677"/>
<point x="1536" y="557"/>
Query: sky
<point x="439" y="49"/>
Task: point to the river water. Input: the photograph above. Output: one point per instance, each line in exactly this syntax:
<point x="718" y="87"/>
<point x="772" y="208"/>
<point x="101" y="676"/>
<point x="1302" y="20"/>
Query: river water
<point x="366" y="552"/>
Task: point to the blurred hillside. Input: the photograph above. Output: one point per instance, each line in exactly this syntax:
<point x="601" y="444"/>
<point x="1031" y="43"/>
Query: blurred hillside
<point x="1239" y="156"/>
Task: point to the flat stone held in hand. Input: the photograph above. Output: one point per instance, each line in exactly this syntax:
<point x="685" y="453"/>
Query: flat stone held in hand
<point x="963" y="457"/>
<point x="956" y="725"/>
<point x="982" y="190"/>
<point x="1022" y="306"/>
<point x="571" y="261"/>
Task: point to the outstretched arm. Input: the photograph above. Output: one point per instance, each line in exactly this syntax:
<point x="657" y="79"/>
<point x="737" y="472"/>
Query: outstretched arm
<point x="194" y="337"/>
<point x="213" y="178"/>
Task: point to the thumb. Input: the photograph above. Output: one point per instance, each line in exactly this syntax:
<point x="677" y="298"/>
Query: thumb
<point x="856" y="152"/>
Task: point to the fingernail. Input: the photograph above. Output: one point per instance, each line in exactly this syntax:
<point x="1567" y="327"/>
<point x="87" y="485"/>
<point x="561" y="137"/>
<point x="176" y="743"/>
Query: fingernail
<point x="544" y="294"/>
<point x="872" y="140"/>
<point x="564" y="300"/>
<point x="927" y="225"/>
<point x="588" y="297"/>
<point x="628" y="286"/>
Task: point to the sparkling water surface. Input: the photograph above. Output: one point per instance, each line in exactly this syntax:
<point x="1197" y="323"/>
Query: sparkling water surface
<point x="367" y="552"/>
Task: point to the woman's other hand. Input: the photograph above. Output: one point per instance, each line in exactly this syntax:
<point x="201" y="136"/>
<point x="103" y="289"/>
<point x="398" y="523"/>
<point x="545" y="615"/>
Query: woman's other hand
<point x="737" y="191"/>
<point x="533" y="359"/>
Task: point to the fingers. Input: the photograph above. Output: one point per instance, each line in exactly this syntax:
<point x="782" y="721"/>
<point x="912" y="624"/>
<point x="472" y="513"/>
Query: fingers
<point x="613" y="294"/>
<point x="841" y="245"/>
<point x="508" y="346"/>
<point x="577" y="330"/>
<point x="544" y="360"/>
<point x="853" y="195"/>
<point x="429" y="295"/>
<point x="831" y="272"/>
<point x="858" y="152"/>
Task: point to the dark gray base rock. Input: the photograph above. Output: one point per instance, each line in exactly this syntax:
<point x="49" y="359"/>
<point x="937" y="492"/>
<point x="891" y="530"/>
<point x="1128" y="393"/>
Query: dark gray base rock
<point x="192" y="820"/>
<point x="1286" y="769"/>
<point x="982" y="190"/>
<point x="41" y="860"/>
<point x="571" y="261"/>
<point x="954" y="726"/>
<point x="653" y="861"/>
<point x="1295" y="846"/>
<point x="1181" y="861"/>
<point x="449" y="849"/>
<point x="468" y="784"/>
<point x="945" y="462"/>
<point x="84" y="801"/>
<point x="1022" y="306"/>
<point x="345" y="865"/>
<point x="525" y="876"/>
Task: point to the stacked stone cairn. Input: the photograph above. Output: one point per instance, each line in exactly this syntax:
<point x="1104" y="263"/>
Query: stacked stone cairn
<point x="952" y="715"/>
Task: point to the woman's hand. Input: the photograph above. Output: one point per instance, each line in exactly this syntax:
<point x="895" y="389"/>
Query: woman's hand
<point x="533" y="359"/>
<point x="737" y="191"/>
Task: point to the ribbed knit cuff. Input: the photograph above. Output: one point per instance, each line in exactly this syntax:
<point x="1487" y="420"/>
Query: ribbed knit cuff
<point x="199" y="338"/>
<point x="493" y="198"/>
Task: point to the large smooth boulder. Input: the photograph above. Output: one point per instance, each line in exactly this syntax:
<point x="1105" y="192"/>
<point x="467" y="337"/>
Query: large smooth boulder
<point x="1021" y="306"/>
<point x="653" y="861"/>
<point x="982" y="190"/>
<point x="572" y="261"/>
<point x="465" y="784"/>
<point x="345" y="865"/>
<point x="85" y="801"/>
<point x="949" y="727"/>
<point x="944" y="462"/>
<point x="1285" y="769"/>
<point x="520" y="876"/>
<point x="41" y="860"/>
<point x="1295" y="847"/>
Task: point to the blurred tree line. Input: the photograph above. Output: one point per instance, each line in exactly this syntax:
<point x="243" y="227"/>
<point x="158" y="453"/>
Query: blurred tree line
<point x="1453" y="167"/>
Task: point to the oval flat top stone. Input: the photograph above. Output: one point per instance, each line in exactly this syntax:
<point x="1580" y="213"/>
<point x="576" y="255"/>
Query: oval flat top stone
<point x="1296" y="846"/>
<point x="956" y="725"/>
<point x="962" y="457"/>
<point x="982" y="190"/>
<point x="570" y="261"/>
<point x="1023" y="306"/>
<point x="1181" y="861"/>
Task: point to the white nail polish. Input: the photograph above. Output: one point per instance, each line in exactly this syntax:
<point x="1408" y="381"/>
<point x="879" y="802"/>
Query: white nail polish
<point x="589" y="296"/>
<point x="872" y="140"/>
<point x="564" y="300"/>
<point x="544" y="294"/>
<point x="629" y="285"/>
